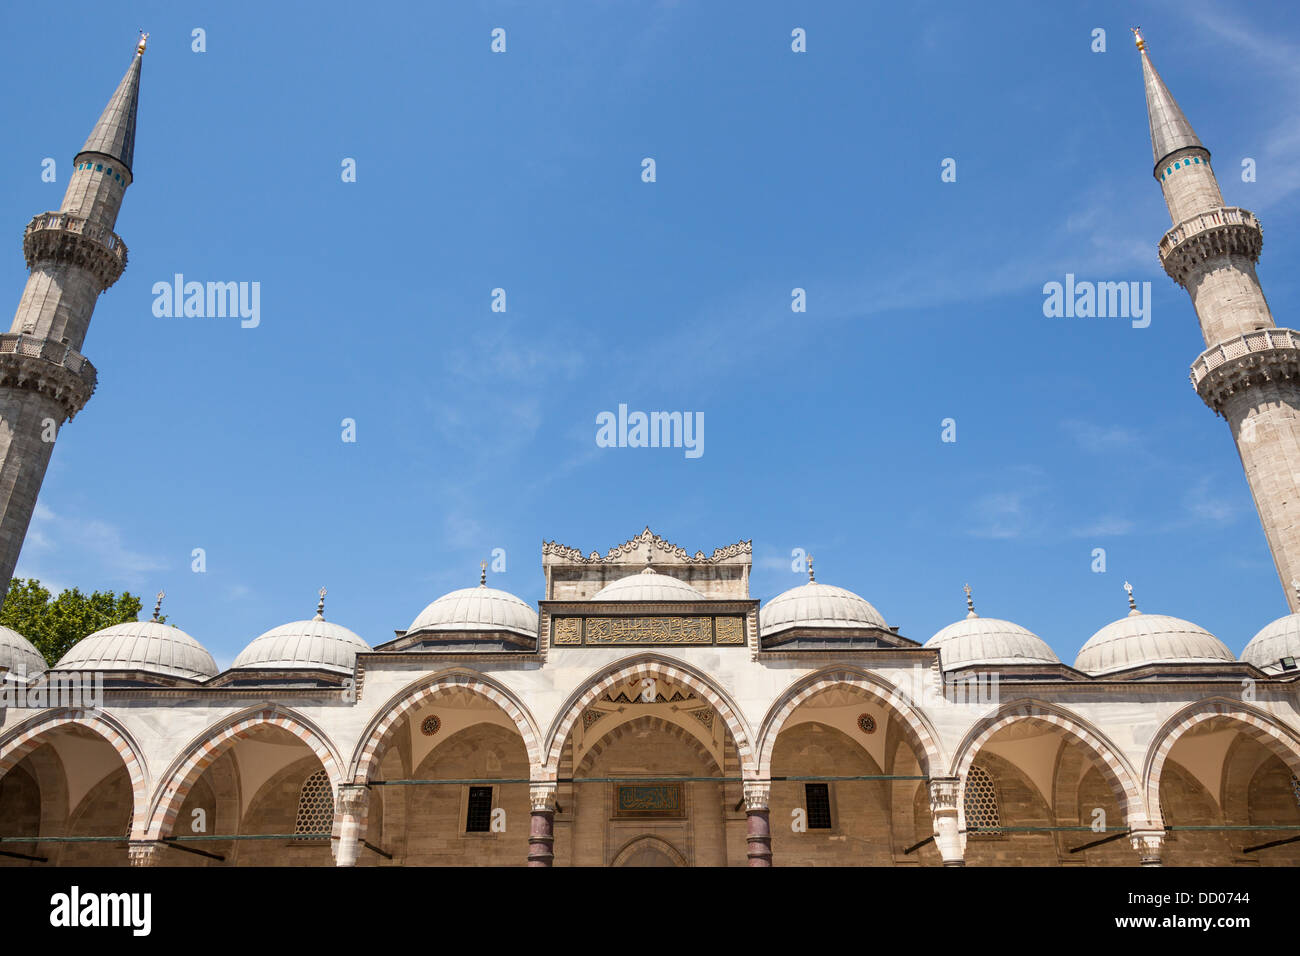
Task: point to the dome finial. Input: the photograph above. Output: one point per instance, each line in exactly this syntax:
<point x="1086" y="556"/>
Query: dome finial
<point x="811" y="579"/>
<point x="970" y="603"/>
<point x="1137" y="36"/>
<point x="482" y="574"/>
<point x="158" y="606"/>
<point x="320" y="607"/>
<point x="1132" y="604"/>
<point x="144" y="38"/>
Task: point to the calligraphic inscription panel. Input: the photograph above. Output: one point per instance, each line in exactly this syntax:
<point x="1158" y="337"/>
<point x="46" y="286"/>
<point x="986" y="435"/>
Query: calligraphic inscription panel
<point x="649" y="800"/>
<point x="603" y="631"/>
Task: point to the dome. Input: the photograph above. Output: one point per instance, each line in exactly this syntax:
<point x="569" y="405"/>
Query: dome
<point x="1276" y="641"/>
<point x="19" y="655"/>
<point x="818" y="605"/>
<point x="149" y="646"/>
<point x="648" y="585"/>
<point x="1149" y="639"/>
<point x="315" y="644"/>
<point x="988" y="640"/>
<point x="477" y="609"/>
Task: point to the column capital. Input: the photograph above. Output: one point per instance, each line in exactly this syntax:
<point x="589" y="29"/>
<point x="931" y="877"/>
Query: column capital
<point x="145" y="852"/>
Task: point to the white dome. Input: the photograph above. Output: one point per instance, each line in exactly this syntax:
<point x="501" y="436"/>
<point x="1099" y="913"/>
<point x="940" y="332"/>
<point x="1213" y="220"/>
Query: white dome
<point x="477" y="609"/>
<point x="988" y="640"/>
<point x="648" y="585"/>
<point x="1149" y="639"/>
<point x="316" y="644"/>
<point x="1277" y="640"/>
<point x="149" y="646"/>
<point x="818" y="605"/>
<point x="19" y="655"/>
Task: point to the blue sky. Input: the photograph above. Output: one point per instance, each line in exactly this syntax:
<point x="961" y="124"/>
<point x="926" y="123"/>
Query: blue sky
<point x="476" y="429"/>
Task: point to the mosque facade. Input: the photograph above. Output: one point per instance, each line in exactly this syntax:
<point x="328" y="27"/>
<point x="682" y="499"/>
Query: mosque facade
<point x="649" y="710"/>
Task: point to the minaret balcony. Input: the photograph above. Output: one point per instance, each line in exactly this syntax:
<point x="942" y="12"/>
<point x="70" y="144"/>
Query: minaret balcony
<point x="63" y="237"/>
<point x="1265" y="355"/>
<point x="51" y="368"/>
<point x="1210" y="235"/>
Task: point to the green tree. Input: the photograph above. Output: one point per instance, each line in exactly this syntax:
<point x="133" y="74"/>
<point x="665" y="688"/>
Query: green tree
<point x="53" y="626"/>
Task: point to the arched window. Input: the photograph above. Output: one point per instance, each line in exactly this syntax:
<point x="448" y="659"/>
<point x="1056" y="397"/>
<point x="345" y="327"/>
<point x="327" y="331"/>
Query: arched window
<point x="981" y="804"/>
<point x="315" y="807"/>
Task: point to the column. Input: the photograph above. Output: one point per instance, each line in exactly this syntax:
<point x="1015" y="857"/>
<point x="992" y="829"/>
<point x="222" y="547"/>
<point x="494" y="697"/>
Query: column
<point x="353" y="802"/>
<point x="1148" y="844"/>
<point x="541" y="830"/>
<point x="758" y="826"/>
<point x="145" y="852"/>
<point x="944" y="794"/>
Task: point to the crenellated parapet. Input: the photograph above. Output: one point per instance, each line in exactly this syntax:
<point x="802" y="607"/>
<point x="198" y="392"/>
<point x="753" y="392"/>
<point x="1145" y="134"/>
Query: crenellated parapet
<point x="1227" y="231"/>
<point x="61" y="237"/>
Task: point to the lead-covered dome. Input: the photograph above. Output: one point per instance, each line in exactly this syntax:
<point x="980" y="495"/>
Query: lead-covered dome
<point x="990" y="640"/>
<point x="818" y="605"/>
<point x="1140" y="639"/>
<point x="19" y="655"/>
<point x="148" y="646"/>
<point x="648" y="585"/>
<point x="1275" y="641"/>
<point x="477" y="609"/>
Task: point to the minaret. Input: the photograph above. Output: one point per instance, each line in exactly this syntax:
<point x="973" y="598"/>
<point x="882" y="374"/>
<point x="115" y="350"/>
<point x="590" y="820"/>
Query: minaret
<point x="72" y="256"/>
<point x="1250" y="371"/>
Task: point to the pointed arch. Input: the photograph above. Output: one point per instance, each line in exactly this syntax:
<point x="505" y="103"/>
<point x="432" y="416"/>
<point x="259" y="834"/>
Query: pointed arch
<point x="1257" y="724"/>
<point x="200" y="754"/>
<point x="26" y="737"/>
<point x="1112" y="763"/>
<point x="382" y="726"/>
<point x="647" y="665"/>
<point x="916" y="727"/>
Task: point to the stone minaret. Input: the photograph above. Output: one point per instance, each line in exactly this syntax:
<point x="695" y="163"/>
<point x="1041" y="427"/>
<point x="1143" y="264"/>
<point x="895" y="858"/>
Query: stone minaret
<point x="73" y="255"/>
<point x="1249" y="371"/>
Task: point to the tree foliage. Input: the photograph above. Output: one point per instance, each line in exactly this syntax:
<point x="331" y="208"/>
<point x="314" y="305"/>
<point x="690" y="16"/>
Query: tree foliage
<point x="53" y="625"/>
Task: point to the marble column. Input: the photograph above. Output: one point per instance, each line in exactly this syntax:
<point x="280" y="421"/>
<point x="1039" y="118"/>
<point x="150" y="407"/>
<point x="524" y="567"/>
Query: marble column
<point x="951" y="842"/>
<point x="541" y="830"/>
<point x="758" y="827"/>
<point x="353" y="802"/>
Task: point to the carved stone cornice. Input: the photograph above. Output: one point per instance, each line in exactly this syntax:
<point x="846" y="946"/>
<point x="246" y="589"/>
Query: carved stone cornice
<point x="1226" y="231"/>
<point x="1256" y="358"/>
<point x="64" y="238"/>
<point x="619" y="554"/>
<point x="50" y="368"/>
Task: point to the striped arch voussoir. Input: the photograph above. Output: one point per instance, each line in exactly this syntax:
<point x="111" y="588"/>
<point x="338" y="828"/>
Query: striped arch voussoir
<point x="203" y="754"/>
<point x="28" y="738"/>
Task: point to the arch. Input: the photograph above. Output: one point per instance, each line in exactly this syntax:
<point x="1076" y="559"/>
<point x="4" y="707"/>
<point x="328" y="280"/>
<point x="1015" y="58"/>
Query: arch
<point x="27" y="737"/>
<point x="649" y="842"/>
<point x="1113" y="765"/>
<point x="213" y="742"/>
<point x="645" y="665"/>
<point x="382" y="726"/>
<point x="916" y="728"/>
<point x="1257" y="724"/>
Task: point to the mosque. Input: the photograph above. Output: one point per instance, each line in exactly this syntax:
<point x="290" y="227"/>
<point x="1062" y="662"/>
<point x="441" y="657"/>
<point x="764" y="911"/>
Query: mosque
<point x="649" y="711"/>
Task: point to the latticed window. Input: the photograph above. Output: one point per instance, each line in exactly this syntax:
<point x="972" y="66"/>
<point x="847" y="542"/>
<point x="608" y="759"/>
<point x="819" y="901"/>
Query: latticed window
<point x="315" y="807"/>
<point x="818" y="799"/>
<point x="981" y="805"/>
<point x="478" y="815"/>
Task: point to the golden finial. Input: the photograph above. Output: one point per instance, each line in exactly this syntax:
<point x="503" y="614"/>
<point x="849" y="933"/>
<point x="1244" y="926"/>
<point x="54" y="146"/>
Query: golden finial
<point x="144" y="38"/>
<point x="158" y="606"/>
<point x="970" y="604"/>
<point x="1132" y="605"/>
<point x="1137" y="36"/>
<point x="482" y="574"/>
<point x="811" y="579"/>
<point x="320" y="607"/>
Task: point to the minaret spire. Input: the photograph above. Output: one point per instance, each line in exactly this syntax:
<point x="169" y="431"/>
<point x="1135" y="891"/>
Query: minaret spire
<point x="72" y="256"/>
<point x="1250" y="370"/>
